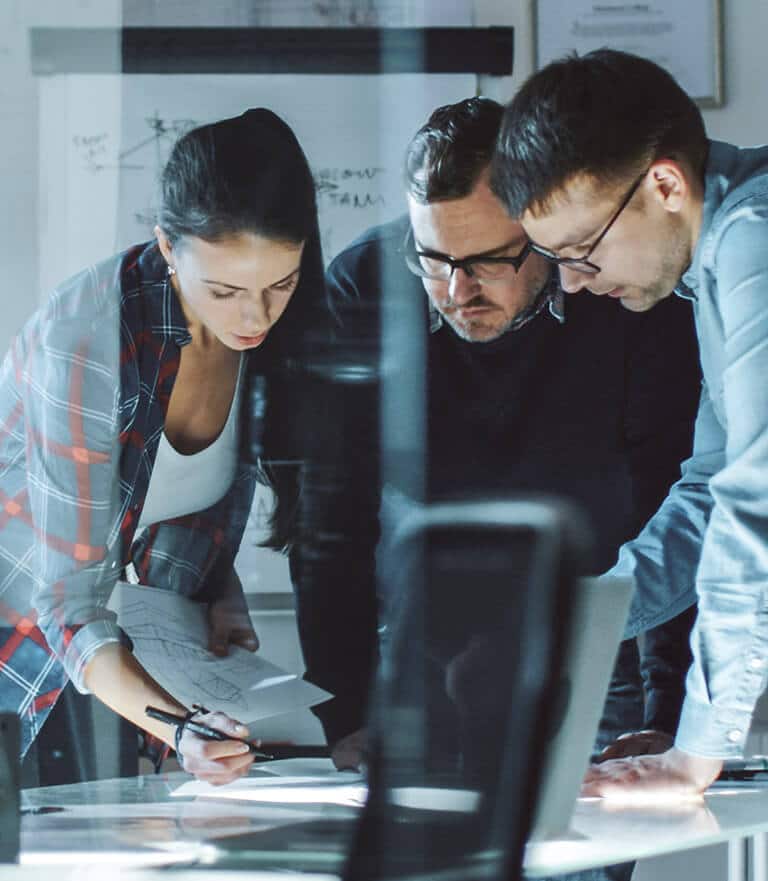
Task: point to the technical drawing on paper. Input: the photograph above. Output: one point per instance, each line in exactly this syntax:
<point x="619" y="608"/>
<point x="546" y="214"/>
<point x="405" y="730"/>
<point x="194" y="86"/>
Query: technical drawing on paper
<point x="169" y="635"/>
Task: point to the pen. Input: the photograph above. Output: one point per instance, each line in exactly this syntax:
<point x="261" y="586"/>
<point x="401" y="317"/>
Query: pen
<point x="755" y="775"/>
<point x="296" y="750"/>
<point x="200" y="729"/>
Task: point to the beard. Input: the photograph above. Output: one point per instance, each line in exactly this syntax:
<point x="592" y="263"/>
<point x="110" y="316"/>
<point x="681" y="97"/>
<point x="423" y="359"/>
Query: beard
<point x="483" y="329"/>
<point x="674" y="260"/>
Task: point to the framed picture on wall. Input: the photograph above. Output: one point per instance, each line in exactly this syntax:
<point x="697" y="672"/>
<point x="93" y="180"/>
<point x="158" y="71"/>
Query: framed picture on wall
<point x="684" y="36"/>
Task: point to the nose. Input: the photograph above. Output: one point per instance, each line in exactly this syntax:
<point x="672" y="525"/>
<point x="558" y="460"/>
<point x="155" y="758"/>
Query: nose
<point x="462" y="287"/>
<point x="571" y="280"/>
<point x="253" y="313"/>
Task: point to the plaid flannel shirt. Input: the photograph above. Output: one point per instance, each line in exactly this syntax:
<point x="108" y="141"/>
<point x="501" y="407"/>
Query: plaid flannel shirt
<point x="84" y="391"/>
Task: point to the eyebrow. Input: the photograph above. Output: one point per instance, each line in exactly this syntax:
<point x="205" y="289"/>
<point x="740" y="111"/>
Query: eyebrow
<point x="583" y="242"/>
<point x="489" y="253"/>
<point x="234" y="287"/>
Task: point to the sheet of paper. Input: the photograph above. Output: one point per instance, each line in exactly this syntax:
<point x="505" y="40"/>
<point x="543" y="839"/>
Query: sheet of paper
<point x="300" y="767"/>
<point x="170" y="636"/>
<point x="348" y="789"/>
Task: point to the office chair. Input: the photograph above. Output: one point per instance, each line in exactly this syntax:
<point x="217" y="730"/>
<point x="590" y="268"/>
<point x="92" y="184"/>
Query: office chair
<point x="479" y="597"/>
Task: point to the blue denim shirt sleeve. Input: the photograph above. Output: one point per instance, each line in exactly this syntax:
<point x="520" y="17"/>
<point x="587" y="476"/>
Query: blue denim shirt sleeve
<point x="730" y="641"/>
<point x="664" y="557"/>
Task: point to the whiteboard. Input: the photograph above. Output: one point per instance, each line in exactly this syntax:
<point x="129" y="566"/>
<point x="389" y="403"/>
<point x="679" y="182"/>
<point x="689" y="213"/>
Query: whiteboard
<point x="104" y="139"/>
<point x="293" y="13"/>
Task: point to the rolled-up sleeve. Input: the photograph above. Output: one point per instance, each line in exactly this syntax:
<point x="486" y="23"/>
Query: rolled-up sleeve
<point x="66" y="367"/>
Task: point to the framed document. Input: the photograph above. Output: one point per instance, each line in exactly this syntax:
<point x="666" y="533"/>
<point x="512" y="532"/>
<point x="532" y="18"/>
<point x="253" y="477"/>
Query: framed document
<point x="684" y="36"/>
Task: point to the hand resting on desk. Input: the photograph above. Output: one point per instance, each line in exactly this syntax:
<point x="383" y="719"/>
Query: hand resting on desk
<point x="636" y="743"/>
<point x="670" y="775"/>
<point x="216" y="761"/>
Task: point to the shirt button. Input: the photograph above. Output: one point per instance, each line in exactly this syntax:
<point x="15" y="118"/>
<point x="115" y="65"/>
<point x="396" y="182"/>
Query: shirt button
<point x="734" y="736"/>
<point x="757" y="663"/>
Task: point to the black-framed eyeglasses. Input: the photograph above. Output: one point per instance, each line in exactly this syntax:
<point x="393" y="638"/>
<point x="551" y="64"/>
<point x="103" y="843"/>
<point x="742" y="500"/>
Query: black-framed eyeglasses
<point x="584" y="264"/>
<point x="440" y="267"/>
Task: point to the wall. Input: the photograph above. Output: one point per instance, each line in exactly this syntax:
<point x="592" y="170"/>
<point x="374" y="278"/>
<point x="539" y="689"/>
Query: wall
<point x="743" y="119"/>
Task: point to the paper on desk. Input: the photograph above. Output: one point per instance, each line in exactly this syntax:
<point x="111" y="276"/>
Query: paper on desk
<point x="347" y="788"/>
<point x="170" y="638"/>
<point x="300" y="767"/>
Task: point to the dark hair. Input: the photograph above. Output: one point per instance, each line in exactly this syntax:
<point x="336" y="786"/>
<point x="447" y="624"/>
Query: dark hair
<point x="604" y="115"/>
<point x="244" y="174"/>
<point x="447" y="155"/>
<point x="249" y="174"/>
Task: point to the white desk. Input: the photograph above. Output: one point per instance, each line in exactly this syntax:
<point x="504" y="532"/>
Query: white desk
<point x="605" y="833"/>
<point x="135" y="823"/>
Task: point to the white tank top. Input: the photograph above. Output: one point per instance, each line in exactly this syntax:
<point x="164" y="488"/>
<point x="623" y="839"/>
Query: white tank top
<point x="182" y="484"/>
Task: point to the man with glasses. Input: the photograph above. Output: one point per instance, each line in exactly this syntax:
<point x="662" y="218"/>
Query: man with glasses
<point x="694" y="222"/>
<point x="522" y="395"/>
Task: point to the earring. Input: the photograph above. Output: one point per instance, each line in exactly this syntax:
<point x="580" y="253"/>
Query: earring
<point x="171" y="270"/>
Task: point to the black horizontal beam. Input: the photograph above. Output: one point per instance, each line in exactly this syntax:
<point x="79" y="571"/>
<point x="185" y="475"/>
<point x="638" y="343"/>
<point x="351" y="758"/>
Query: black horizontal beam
<point x="272" y="50"/>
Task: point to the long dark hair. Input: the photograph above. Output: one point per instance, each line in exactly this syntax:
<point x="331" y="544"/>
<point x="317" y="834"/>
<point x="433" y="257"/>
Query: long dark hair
<point x="249" y="174"/>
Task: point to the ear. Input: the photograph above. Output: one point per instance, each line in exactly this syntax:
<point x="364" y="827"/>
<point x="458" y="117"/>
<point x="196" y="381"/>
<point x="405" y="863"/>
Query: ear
<point x="164" y="243"/>
<point x="670" y="184"/>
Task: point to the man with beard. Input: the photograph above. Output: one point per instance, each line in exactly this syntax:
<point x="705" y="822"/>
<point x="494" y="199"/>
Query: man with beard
<point x="527" y="391"/>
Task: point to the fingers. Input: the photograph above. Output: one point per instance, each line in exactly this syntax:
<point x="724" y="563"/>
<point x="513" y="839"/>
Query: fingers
<point x="639" y="743"/>
<point x="601" y="780"/>
<point x="654" y="778"/>
<point x="245" y="637"/>
<point x="230" y="628"/>
<point x="218" y="639"/>
<point x="221" y="771"/>
<point x="217" y="761"/>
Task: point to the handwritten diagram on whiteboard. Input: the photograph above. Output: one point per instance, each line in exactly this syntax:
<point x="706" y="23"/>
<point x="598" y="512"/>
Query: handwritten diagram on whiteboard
<point x="292" y="13"/>
<point x="170" y="634"/>
<point x="108" y="136"/>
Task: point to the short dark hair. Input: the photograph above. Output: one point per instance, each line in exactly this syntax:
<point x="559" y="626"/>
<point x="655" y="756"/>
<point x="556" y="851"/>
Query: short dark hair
<point x="604" y="115"/>
<point x="244" y="174"/>
<point x="447" y="155"/>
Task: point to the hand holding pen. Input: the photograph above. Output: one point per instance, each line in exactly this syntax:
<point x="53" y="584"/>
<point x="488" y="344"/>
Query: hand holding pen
<point x="259" y="750"/>
<point x="213" y="745"/>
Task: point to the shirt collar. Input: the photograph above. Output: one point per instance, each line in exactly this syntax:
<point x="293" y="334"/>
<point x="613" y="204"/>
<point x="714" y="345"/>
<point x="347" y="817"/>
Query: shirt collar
<point x="720" y="158"/>
<point x="166" y="317"/>
<point x="550" y="297"/>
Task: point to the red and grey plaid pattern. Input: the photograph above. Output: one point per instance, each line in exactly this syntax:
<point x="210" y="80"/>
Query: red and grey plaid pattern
<point x="84" y="390"/>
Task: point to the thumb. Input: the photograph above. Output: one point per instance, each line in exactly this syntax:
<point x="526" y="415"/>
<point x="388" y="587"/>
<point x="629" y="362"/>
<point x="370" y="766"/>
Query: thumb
<point x="218" y="638"/>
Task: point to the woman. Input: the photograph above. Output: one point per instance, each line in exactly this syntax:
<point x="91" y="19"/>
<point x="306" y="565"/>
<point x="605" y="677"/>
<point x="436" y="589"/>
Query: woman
<point x="131" y="407"/>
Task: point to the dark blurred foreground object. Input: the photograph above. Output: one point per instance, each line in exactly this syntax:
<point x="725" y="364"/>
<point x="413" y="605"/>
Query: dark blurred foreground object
<point x="482" y="594"/>
<point x="10" y="775"/>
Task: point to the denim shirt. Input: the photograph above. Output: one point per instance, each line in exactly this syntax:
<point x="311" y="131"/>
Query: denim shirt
<point x="711" y="533"/>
